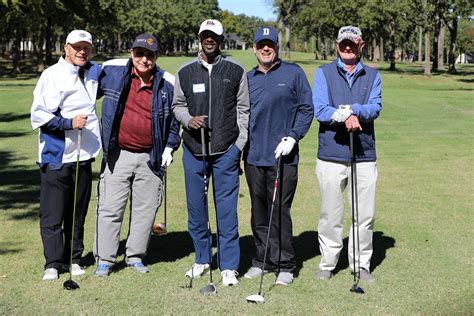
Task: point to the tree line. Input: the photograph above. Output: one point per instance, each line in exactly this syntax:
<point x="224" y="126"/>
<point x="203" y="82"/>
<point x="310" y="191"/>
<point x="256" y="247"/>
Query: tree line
<point x="393" y="30"/>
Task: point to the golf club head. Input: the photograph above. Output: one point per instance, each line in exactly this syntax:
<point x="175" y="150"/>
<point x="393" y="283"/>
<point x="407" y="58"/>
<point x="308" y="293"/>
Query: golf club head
<point x="255" y="298"/>
<point x="159" y="229"/>
<point x="71" y="285"/>
<point x="357" y="289"/>
<point x="208" y="289"/>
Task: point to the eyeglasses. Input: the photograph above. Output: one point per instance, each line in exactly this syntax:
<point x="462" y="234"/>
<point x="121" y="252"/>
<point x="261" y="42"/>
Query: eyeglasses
<point x="139" y="53"/>
<point x="78" y="47"/>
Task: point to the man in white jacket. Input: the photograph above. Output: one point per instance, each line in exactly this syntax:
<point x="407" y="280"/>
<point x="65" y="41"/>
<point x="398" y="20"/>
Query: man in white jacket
<point x="64" y="107"/>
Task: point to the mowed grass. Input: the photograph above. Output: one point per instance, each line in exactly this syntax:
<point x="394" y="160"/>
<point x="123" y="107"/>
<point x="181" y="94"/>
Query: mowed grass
<point x="423" y="232"/>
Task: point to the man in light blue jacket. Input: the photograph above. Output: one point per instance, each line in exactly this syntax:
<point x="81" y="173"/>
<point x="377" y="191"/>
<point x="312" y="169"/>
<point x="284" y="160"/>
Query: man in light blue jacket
<point x="347" y="99"/>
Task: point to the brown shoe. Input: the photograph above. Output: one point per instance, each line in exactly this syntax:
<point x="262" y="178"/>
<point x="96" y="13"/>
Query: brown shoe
<point x="159" y="229"/>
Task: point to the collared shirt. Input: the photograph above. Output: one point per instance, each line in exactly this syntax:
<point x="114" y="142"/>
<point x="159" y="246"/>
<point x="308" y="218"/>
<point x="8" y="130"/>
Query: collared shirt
<point x="349" y="76"/>
<point x="135" y="126"/>
<point x="365" y="112"/>
<point x="280" y="106"/>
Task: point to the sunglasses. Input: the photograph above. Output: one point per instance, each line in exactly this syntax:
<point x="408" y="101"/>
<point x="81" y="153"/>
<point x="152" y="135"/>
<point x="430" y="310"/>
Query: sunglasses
<point x="140" y="53"/>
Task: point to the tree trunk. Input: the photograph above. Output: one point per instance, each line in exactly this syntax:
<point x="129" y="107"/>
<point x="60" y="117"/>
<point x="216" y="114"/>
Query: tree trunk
<point x="382" y="57"/>
<point x="287" y="43"/>
<point x="16" y="50"/>
<point x="453" y="33"/>
<point x="49" y="41"/>
<point x="392" y="45"/>
<point x="280" y="34"/>
<point x="376" y="53"/>
<point x="441" y="48"/>
<point x="427" y="72"/>
<point x="435" y="43"/>
<point x="420" y="44"/>
<point x="39" y="55"/>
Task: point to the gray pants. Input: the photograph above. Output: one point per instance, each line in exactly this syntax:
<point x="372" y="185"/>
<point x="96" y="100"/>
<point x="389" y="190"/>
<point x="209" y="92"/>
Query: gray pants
<point x="126" y="175"/>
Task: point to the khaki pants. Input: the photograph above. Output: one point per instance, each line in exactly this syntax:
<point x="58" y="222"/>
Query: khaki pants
<point x="333" y="179"/>
<point x="126" y="175"/>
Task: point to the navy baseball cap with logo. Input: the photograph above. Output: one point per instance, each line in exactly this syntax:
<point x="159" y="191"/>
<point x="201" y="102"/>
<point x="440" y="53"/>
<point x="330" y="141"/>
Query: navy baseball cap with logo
<point x="146" y="41"/>
<point x="266" y="33"/>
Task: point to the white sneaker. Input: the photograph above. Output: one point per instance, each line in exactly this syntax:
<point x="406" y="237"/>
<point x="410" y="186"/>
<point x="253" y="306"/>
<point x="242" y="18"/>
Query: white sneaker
<point x="50" y="274"/>
<point x="77" y="270"/>
<point x="197" y="270"/>
<point x="229" y="277"/>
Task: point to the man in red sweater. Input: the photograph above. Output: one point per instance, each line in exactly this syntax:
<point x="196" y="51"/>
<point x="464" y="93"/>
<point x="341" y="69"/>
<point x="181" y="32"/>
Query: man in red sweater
<point x="139" y="134"/>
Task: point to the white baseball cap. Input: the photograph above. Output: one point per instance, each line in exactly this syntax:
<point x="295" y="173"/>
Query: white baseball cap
<point x="79" y="36"/>
<point x="213" y="26"/>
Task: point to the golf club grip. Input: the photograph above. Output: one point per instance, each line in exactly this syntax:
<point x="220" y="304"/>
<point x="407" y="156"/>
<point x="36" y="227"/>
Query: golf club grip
<point x="79" y="139"/>
<point x="203" y="141"/>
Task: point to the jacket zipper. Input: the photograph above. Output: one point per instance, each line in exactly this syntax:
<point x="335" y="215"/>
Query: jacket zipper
<point x="209" y="116"/>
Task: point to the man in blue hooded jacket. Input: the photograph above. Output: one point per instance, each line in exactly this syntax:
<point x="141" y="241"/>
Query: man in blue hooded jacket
<point x="139" y="134"/>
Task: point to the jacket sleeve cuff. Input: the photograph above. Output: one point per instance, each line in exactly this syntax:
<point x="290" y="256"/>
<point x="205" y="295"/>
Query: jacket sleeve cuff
<point x="356" y="109"/>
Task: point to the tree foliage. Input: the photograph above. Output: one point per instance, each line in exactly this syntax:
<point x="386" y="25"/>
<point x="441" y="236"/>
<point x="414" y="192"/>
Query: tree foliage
<point x="39" y="27"/>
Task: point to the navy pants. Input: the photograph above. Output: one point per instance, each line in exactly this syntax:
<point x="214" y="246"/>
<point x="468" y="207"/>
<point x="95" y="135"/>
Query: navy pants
<point x="56" y="208"/>
<point x="223" y="171"/>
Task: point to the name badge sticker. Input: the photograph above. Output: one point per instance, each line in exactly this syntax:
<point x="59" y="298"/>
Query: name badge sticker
<point x="199" y="88"/>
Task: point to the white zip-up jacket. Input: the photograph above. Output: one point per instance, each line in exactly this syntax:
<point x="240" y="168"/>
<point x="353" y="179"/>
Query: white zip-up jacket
<point x="59" y="95"/>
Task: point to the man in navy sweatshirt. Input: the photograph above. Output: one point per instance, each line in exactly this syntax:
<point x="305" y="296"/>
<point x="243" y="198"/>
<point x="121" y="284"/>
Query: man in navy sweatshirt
<point x="281" y="113"/>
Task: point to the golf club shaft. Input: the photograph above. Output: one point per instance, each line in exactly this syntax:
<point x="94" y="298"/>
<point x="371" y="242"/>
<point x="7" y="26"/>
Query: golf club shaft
<point x="206" y="206"/>
<point x="275" y="188"/>
<point x="79" y="136"/>
<point x="354" y="205"/>
<point x="165" y="195"/>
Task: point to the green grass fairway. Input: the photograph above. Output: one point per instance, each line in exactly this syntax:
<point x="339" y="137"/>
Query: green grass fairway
<point x="423" y="238"/>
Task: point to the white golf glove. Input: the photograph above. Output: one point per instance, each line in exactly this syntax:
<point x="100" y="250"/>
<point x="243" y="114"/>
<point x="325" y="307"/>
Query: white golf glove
<point x="167" y="157"/>
<point x="342" y="113"/>
<point x="285" y="146"/>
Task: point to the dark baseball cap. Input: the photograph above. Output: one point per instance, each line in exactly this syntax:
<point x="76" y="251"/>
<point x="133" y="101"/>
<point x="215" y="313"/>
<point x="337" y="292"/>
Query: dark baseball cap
<point x="146" y="41"/>
<point x="266" y="33"/>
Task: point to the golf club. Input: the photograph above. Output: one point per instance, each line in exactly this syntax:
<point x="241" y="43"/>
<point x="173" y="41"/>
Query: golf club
<point x="355" y="218"/>
<point x="210" y="288"/>
<point x="70" y="284"/>
<point x="161" y="228"/>
<point x="258" y="298"/>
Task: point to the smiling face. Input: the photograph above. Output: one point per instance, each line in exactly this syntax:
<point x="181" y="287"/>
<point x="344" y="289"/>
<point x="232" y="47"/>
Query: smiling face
<point x="144" y="60"/>
<point x="210" y="42"/>
<point x="77" y="53"/>
<point x="349" y="52"/>
<point x="267" y="54"/>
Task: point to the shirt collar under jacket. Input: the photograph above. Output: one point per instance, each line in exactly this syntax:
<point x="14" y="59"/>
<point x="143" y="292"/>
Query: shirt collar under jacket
<point x="134" y="74"/>
<point x="349" y="76"/>
<point x="274" y="67"/>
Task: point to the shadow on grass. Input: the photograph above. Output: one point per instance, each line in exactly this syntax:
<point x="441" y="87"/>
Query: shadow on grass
<point x="381" y="244"/>
<point x="11" y="117"/>
<point x="165" y="248"/>
<point x="7" y="248"/>
<point x="19" y="187"/>
<point x="306" y="247"/>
